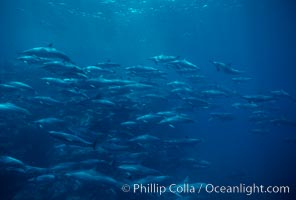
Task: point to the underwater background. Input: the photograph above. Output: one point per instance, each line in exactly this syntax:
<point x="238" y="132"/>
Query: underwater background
<point x="222" y="70"/>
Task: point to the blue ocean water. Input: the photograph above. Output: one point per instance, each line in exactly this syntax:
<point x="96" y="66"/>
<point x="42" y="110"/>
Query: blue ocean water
<point x="96" y="94"/>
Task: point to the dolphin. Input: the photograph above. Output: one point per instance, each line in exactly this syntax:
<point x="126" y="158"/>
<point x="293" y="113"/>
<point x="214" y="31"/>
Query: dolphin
<point x="163" y="59"/>
<point x="226" y="68"/>
<point x="11" y="108"/>
<point x="47" y="52"/>
<point x="72" y="139"/>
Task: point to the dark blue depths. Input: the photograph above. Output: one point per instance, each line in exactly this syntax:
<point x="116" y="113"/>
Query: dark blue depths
<point x="100" y="93"/>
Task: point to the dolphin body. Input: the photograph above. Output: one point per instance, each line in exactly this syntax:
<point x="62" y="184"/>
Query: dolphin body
<point x="183" y="64"/>
<point x="137" y="169"/>
<point x="241" y="79"/>
<point x="72" y="139"/>
<point x="10" y="164"/>
<point x="176" y="119"/>
<point x="32" y="59"/>
<point x="163" y="59"/>
<point x="61" y="82"/>
<point x="92" y="176"/>
<point x="62" y="68"/>
<point x="185" y="141"/>
<point x="47" y="52"/>
<point x="8" y="161"/>
<point x="227" y="69"/>
<point x="258" y="98"/>
<point x="282" y="93"/>
<point x="11" y="108"/>
<point x="20" y="85"/>
<point x="145" y="138"/>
